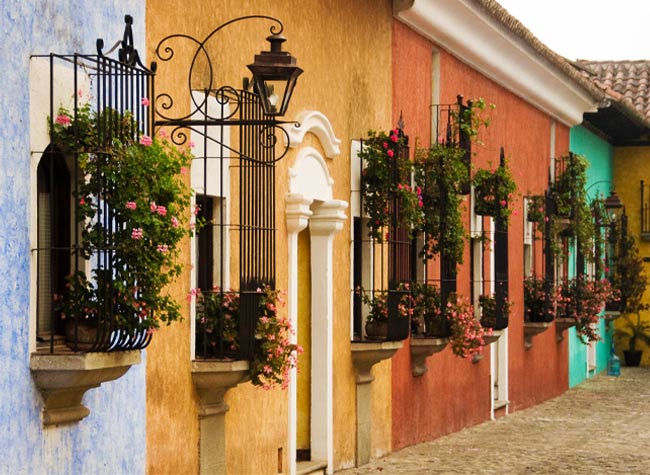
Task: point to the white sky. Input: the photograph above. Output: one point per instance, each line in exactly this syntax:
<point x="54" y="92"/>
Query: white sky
<point x="588" y="29"/>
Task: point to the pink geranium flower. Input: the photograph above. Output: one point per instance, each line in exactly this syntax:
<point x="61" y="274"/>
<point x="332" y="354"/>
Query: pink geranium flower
<point x="145" y="101"/>
<point x="131" y="205"/>
<point x="145" y="140"/>
<point x="62" y="119"/>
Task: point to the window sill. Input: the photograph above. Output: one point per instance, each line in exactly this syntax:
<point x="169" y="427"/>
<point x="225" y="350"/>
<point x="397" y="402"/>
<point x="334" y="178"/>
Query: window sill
<point x="212" y="378"/>
<point x="366" y="354"/>
<point x="63" y="379"/>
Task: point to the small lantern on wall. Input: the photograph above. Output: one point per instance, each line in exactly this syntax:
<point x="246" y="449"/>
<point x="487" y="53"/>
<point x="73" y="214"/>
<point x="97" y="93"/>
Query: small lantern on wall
<point x="613" y="206"/>
<point x="275" y="74"/>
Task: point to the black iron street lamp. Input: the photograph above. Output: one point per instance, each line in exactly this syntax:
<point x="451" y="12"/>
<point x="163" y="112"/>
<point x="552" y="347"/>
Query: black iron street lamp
<point x="274" y="76"/>
<point x="613" y="205"/>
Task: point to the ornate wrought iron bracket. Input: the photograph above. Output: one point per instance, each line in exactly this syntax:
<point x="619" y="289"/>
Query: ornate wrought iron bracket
<point x="237" y="107"/>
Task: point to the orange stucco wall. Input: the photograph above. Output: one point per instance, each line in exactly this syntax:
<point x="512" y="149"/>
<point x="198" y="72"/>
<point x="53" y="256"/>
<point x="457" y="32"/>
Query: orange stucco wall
<point x="455" y="393"/>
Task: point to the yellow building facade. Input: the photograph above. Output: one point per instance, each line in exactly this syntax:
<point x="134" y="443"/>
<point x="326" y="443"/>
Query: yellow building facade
<point x="631" y="167"/>
<point x="345" y="90"/>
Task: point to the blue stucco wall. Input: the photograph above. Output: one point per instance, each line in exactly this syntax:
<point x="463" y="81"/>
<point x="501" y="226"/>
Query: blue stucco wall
<point x="112" y="439"/>
<point x="599" y="181"/>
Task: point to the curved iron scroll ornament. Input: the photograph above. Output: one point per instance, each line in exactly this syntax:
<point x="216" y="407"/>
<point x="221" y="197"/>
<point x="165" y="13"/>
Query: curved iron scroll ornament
<point x="231" y="99"/>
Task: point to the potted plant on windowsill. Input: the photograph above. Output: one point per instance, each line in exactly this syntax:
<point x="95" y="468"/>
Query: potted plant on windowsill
<point x="492" y="190"/>
<point x="217" y="324"/>
<point x="377" y="303"/>
<point x="489" y="310"/>
<point x="130" y="228"/>
<point x="538" y="300"/>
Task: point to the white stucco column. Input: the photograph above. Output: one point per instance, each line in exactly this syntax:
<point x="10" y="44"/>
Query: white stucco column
<point x="298" y="214"/>
<point x="327" y="220"/>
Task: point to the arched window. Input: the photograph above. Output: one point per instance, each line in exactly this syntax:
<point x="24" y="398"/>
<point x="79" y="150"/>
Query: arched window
<point x="54" y="242"/>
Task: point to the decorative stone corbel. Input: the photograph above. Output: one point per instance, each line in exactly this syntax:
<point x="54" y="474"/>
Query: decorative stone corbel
<point x="63" y="379"/>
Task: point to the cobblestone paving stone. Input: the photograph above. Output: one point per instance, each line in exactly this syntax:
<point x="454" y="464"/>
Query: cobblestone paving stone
<point x="601" y="426"/>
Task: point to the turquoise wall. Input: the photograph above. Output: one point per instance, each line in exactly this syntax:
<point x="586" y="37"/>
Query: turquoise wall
<point x="599" y="181"/>
<point x="111" y="440"/>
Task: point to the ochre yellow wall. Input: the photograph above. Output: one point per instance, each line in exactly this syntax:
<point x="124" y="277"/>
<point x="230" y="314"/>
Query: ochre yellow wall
<point x="631" y="165"/>
<point x="347" y="64"/>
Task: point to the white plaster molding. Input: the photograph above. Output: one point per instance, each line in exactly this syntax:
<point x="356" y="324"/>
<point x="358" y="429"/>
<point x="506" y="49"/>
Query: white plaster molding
<point x="310" y="176"/>
<point x="466" y="31"/>
<point x="328" y="219"/>
<point x="318" y="124"/>
<point x="297" y="215"/>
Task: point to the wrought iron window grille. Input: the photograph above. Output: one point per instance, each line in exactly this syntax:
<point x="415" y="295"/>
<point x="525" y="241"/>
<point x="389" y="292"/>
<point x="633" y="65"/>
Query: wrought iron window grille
<point x="645" y="211"/>
<point x="249" y="143"/>
<point x="117" y="85"/>
<point x="390" y="261"/>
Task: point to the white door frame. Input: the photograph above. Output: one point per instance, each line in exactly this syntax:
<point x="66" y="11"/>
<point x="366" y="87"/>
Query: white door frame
<point x="309" y="203"/>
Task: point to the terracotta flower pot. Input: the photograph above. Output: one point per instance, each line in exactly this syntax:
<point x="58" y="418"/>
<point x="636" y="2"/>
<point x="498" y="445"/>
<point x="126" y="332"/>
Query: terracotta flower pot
<point x="86" y="334"/>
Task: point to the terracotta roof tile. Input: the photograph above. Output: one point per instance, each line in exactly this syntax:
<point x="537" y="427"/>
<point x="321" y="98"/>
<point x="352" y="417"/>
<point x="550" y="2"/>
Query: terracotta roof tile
<point x="629" y="79"/>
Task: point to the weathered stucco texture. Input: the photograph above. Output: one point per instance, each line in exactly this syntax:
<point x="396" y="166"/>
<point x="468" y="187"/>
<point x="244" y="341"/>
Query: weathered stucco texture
<point x="346" y="77"/>
<point x="112" y="437"/>
<point x="455" y="393"/>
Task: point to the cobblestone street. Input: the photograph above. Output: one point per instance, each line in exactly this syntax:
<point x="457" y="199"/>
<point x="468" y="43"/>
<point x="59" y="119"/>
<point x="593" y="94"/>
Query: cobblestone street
<point x="601" y="426"/>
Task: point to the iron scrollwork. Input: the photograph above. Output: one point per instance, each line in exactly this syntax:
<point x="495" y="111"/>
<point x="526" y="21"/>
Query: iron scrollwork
<point x="230" y="99"/>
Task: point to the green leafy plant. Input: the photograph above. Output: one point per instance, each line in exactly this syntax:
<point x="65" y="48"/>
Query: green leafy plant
<point x="628" y="275"/>
<point x="441" y="172"/>
<point x="568" y="192"/>
<point x="492" y="191"/>
<point x="634" y="330"/>
<point x="388" y="195"/>
<point x="139" y="243"/>
<point x="536" y="211"/>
